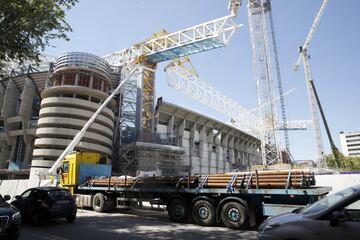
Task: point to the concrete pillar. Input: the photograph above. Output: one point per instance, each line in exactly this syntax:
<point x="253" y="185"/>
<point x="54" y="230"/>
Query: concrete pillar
<point x="170" y="127"/>
<point x="192" y="158"/>
<point x="27" y="155"/>
<point x="218" y="153"/>
<point x="181" y="133"/>
<point x="231" y="153"/>
<point x="211" y="154"/>
<point x="76" y="79"/>
<point x="91" y="81"/>
<point x="2" y="95"/>
<point x="242" y="162"/>
<point x="27" y="98"/>
<point x="4" y="154"/>
<point x="225" y="152"/>
<point x="10" y="100"/>
<point x="203" y="150"/>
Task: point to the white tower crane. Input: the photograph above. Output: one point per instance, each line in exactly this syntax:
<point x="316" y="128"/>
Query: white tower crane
<point x="304" y="58"/>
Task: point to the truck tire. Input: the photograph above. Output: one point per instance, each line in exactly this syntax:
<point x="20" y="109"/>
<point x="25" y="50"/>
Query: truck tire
<point x="98" y="202"/>
<point x="178" y="210"/>
<point x="203" y="213"/>
<point x="234" y="215"/>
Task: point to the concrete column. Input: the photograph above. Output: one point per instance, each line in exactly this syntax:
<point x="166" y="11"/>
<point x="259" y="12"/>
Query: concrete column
<point x="203" y="150"/>
<point x="211" y="154"/>
<point x="76" y="79"/>
<point x="181" y="133"/>
<point x="231" y="152"/>
<point x="170" y="127"/>
<point x="27" y="155"/>
<point x="10" y="100"/>
<point x="218" y="153"/>
<point x="191" y="148"/>
<point x="4" y="154"/>
<point x="27" y="98"/>
<point x="225" y="152"/>
<point x="242" y="162"/>
<point x="91" y="81"/>
<point x="2" y="95"/>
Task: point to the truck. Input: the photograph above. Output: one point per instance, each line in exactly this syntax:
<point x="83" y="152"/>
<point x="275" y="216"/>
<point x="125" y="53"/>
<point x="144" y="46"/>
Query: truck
<point x="238" y="200"/>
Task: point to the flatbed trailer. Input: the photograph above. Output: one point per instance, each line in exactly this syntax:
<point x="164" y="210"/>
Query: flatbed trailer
<point x="237" y="199"/>
<point x="234" y="207"/>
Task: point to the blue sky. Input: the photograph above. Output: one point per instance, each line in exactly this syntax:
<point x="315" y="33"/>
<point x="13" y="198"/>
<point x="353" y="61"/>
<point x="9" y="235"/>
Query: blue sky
<point x="102" y="27"/>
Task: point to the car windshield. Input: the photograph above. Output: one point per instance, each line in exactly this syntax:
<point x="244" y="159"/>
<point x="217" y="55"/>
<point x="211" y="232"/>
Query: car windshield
<point x="328" y="201"/>
<point x="59" y="195"/>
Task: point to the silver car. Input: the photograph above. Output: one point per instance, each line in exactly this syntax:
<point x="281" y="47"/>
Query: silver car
<point x="336" y="216"/>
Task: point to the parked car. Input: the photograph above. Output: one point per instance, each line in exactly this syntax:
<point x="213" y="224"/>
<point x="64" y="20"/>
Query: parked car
<point x="336" y="216"/>
<point x="41" y="203"/>
<point x="10" y="220"/>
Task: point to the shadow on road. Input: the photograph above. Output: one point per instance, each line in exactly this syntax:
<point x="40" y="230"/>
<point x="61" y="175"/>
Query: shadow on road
<point x="128" y="225"/>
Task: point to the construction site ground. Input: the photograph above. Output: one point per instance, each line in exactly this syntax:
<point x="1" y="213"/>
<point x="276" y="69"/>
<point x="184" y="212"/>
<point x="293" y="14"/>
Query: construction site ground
<point x="127" y="224"/>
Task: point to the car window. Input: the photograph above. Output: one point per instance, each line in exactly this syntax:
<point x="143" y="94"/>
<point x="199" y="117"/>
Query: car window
<point x="353" y="211"/>
<point x="328" y="201"/>
<point x="65" y="167"/>
<point x="26" y="194"/>
<point x="354" y="206"/>
<point x="1" y="199"/>
<point x="35" y="194"/>
<point x="59" y="195"/>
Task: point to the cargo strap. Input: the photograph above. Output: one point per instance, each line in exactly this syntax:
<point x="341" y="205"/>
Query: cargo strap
<point x="230" y="185"/>
<point x="202" y="183"/>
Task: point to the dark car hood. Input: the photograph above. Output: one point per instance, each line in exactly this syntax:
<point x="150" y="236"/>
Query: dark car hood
<point x="7" y="209"/>
<point x="280" y="219"/>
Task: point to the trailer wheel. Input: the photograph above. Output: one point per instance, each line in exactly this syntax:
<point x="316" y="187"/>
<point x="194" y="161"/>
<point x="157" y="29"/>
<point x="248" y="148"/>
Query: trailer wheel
<point x="178" y="210"/>
<point x="203" y="213"/>
<point x="234" y="215"/>
<point x="98" y="202"/>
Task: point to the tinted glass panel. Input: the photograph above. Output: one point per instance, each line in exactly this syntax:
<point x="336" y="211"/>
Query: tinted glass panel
<point x="59" y="195"/>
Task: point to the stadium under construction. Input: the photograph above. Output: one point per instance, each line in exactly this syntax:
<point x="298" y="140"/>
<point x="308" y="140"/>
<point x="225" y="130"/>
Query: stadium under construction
<point x="44" y="106"/>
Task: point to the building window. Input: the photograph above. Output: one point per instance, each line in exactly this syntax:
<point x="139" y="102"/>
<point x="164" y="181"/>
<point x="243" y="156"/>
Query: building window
<point x="69" y="78"/>
<point x="57" y="80"/>
<point x="84" y="79"/>
<point x="106" y="87"/>
<point x="352" y="136"/>
<point x="97" y="83"/>
<point x="68" y="95"/>
<point x="83" y="97"/>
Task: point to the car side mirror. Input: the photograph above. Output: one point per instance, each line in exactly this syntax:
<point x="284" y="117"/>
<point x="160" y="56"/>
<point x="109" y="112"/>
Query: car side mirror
<point x="7" y="197"/>
<point x="336" y="217"/>
<point x="17" y="197"/>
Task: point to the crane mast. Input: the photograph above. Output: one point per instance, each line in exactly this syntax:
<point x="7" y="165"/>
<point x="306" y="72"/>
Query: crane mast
<point x="278" y="76"/>
<point x="257" y="10"/>
<point x="304" y="58"/>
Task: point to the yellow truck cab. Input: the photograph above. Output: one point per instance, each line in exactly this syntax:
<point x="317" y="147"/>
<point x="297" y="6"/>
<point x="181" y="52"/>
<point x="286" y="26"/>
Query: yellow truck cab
<point x="78" y="165"/>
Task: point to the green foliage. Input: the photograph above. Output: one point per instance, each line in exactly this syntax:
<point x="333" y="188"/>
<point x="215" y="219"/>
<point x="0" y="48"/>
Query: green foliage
<point x="347" y="163"/>
<point x="27" y="26"/>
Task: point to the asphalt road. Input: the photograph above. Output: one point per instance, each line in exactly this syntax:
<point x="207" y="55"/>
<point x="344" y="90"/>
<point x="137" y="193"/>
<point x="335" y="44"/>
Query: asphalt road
<point x="131" y="224"/>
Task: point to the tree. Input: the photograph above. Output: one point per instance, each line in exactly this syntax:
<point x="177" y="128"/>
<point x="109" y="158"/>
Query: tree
<point x="27" y="26"/>
<point x="347" y="163"/>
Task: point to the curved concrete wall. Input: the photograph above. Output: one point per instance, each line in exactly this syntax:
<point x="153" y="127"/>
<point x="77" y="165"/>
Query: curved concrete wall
<point x="77" y="91"/>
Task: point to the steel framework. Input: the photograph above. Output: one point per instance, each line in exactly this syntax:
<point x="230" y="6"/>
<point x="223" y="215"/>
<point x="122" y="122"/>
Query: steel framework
<point x="264" y="80"/>
<point x="138" y="93"/>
